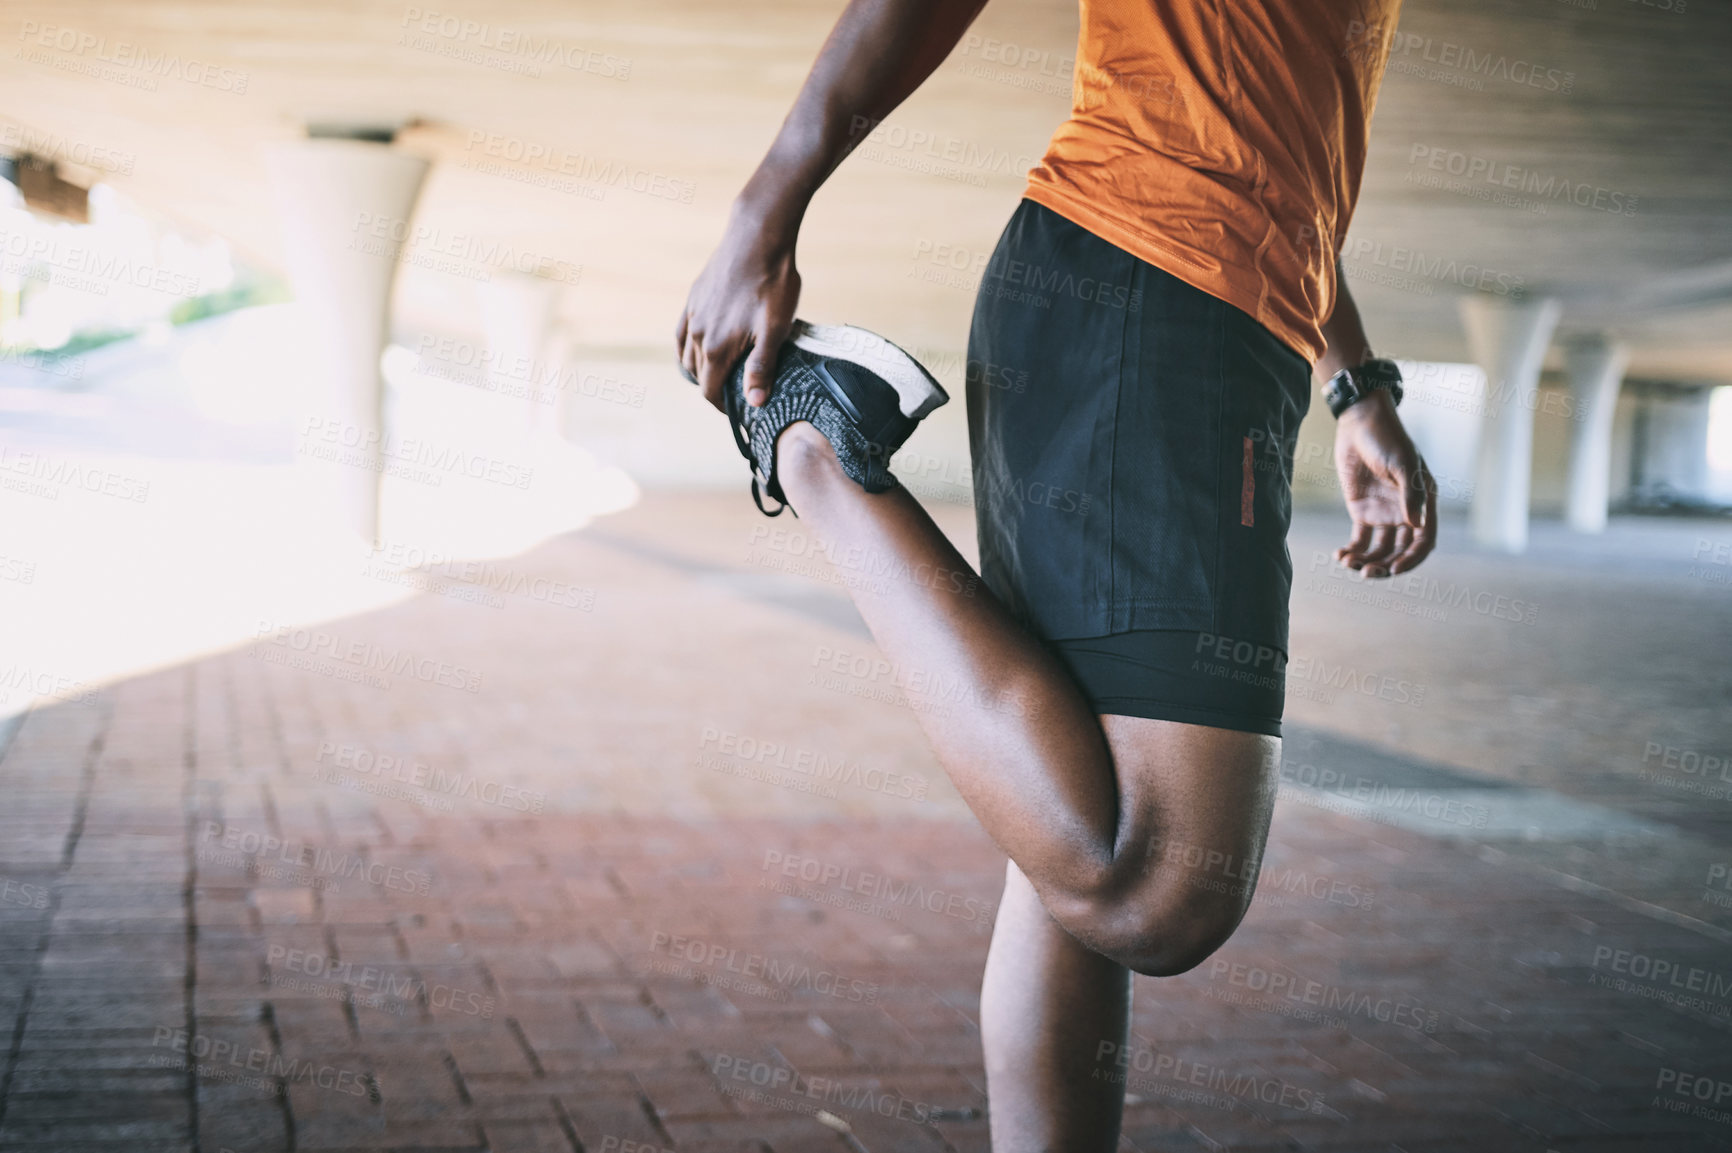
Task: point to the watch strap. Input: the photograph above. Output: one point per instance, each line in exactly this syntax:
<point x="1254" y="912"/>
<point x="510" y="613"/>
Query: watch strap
<point x="1351" y="385"/>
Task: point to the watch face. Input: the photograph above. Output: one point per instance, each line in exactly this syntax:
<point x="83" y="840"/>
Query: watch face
<point x="1341" y="391"/>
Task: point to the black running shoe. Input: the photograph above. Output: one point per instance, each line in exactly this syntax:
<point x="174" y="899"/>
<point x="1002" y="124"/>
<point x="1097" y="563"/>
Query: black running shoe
<point x="863" y="393"/>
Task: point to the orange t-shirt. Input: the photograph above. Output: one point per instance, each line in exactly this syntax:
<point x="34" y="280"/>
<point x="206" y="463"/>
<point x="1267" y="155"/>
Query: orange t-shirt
<point x="1223" y="142"/>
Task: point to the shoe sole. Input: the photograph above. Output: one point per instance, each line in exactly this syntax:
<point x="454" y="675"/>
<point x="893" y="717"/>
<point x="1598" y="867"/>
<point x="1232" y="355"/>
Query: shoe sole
<point x="916" y="392"/>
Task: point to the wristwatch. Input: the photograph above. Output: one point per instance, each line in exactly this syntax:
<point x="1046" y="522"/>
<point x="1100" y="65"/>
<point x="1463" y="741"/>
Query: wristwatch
<point x="1351" y="385"/>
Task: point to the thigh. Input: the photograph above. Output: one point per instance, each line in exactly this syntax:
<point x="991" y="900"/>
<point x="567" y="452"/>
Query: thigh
<point x="1195" y="805"/>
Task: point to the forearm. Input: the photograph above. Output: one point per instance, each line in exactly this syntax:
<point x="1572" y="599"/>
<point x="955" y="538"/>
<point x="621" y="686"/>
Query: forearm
<point x="879" y="52"/>
<point x="1343" y="333"/>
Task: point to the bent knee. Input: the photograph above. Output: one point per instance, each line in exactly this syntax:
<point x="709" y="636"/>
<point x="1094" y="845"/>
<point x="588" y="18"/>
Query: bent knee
<point x="1168" y="955"/>
<point x="1163" y="938"/>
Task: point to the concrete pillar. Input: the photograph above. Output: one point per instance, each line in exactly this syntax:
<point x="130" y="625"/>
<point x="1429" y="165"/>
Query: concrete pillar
<point x="345" y="207"/>
<point x="1509" y="342"/>
<point x="1672" y="445"/>
<point x="516" y="313"/>
<point x="1596" y="369"/>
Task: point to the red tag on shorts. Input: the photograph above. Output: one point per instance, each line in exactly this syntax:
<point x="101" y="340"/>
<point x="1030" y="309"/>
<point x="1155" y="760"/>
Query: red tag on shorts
<point x="1248" y="490"/>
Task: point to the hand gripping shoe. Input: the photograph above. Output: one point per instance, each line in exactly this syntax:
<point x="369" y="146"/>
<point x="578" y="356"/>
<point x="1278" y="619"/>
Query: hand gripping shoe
<point x="863" y="393"/>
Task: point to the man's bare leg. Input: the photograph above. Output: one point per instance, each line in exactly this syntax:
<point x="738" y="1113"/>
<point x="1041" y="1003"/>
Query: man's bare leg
<point x="1054" y="1014"/>
<point x="1077" y="805"/>
<point x="1134" y="842"/>
<point x="1047" y="1004"/>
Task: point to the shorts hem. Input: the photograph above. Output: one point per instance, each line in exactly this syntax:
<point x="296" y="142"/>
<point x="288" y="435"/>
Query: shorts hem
<point x="1186" y="715"/>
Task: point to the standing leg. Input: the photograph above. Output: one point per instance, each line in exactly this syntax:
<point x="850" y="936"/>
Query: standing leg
<point x="1046" y="1005"/>
<point x="1054" y="1014"/>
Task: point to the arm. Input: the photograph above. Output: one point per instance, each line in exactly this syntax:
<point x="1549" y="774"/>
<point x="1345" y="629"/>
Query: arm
<point x="1343" y="333"/>
<point x="1390" y="494"/>
<point x="879" y="52"/>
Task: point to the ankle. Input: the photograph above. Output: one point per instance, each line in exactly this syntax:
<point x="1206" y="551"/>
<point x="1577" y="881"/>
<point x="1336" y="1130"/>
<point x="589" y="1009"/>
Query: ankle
<point x="803" y="451"/>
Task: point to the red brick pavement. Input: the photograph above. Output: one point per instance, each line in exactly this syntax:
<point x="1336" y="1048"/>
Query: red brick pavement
<point x="582" y="981"/>
<point x="633" y="964"/>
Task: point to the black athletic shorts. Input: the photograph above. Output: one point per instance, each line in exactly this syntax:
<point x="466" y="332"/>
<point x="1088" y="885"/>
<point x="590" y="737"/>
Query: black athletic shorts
<point x="1132" y="441"/>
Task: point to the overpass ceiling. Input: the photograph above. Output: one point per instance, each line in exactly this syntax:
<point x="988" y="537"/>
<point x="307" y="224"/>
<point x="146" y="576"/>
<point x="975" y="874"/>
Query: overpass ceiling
<point x="1582" y="149"/>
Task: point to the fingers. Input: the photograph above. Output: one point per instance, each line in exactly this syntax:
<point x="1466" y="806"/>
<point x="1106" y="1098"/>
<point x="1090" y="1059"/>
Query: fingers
<point x="1356" y="545"/>
<point x="688" y="361"/>
<point x="760" y="371"/>
<point x="1385" y="539"/>
<point x="708" y="363"/>
<point x="688" y="346"/>
<point x="766" y="351"/>
<point x="1401" y="536"/>
<point x="1424" y="540"/>
<point x="1372" y="548"/>
<point x="713" y="364"/>
<point x="1414" y="482"/>
<point x="1392" y="541"/>
<point x="705" y="359"/>
<point x="1425" y="535"/>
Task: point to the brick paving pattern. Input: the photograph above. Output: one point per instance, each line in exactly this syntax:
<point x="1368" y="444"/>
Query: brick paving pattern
<point x="253" y="904"/>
